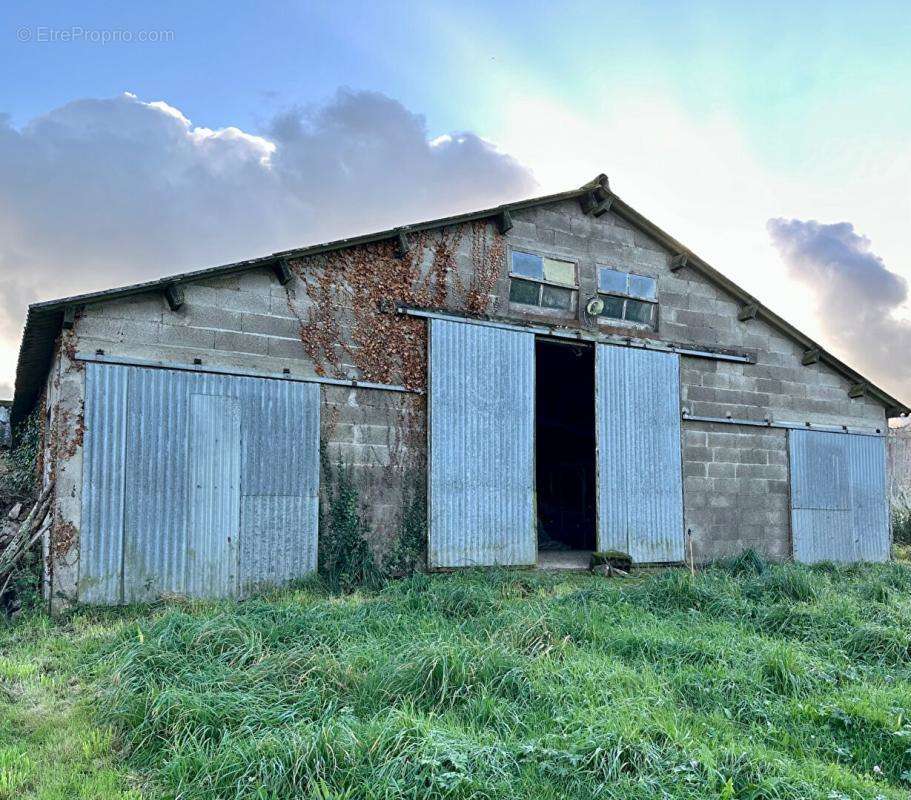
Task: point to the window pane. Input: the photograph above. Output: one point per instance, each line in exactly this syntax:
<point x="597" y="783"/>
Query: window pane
<point x="644" y="287"/>
<point x="637" y="311"/>
<point x="609" y="280"/>
<point x="529" y="265"/>
<point x="523" y="292"/>
<point x="553" y="297"/>
<point x="613" y="307"/>
<point x="560" y="271"/>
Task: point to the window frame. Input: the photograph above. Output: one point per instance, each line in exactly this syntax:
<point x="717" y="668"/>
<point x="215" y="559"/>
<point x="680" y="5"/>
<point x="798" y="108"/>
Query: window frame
<point x="574" y="288"/>
<point x="625" y="297"/>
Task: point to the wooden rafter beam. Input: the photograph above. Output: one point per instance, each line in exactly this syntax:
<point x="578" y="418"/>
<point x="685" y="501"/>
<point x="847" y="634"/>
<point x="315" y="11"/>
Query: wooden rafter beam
<point x="175" y="296"/>
<point x="810" y="357"/>
<point x="402" y="245"/>
<point x="282" y="271"/>
<point x="678" y="262"/>
<point x="596" y="202"/>
<point x="748" y="312"/>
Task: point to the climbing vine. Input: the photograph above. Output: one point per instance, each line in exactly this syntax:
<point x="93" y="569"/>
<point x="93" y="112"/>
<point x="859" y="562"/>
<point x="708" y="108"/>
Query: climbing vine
<point x="351" y="295"/>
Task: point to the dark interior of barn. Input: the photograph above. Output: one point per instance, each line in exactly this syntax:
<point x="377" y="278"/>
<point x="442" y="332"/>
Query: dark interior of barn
<point x="565" y="445"/>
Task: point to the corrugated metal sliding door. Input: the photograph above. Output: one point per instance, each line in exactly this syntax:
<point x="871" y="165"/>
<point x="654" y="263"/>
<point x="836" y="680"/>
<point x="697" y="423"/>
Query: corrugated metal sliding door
<point x="196" y="484"/>
<point x="482" y="405"/>
<point x="838" y="497"/>
<point x="640" y="485"/>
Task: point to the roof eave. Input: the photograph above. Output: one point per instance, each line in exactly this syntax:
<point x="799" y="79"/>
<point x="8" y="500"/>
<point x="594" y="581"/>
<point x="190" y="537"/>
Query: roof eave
<point x="894" y="407"/>
<point x="36" y="349"/>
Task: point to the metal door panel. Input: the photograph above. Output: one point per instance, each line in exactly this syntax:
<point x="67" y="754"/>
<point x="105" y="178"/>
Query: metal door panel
<point x="155" y="517"/>
<point x="838" y="497"/>
<point x="103" y="477"/>
<point x="251" y="445"/>
<point x="640" y="484"/>
<point x="481" y="488"/>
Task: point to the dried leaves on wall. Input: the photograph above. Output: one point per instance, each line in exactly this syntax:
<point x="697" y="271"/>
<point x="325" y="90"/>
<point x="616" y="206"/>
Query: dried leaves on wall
<point x="347" y="322"/>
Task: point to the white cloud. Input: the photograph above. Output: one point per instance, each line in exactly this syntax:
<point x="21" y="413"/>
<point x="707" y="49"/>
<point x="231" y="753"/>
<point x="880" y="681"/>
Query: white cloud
<point x="854" y="293"/>
<point x="100" y="193"/>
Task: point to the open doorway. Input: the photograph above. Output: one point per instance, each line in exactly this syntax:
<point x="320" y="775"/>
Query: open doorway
<point x="565" y="450"/>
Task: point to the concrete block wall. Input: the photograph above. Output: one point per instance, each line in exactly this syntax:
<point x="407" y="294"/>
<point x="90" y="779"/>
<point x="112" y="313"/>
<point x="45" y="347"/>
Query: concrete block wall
<point x="736" y="477"/>
<point x="241" y="321"/>
<point x="63" y="435"/>
<point x="251" y="322"/>
<point x="692" y="311"/>
<point x="380" y="437"/>
<point x="736" y="488"/>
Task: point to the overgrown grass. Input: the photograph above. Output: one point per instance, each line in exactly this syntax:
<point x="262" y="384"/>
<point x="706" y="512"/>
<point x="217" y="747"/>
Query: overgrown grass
<point x="746" y="682"/>
<point x="52" y="746"/>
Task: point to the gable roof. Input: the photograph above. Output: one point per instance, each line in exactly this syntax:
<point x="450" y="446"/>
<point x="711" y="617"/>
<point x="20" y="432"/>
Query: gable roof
<point x="45" y="320"/>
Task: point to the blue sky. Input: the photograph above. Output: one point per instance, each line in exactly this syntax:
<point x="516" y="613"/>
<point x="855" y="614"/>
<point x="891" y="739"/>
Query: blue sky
<point x="712" y="117"/>
<point x="776" y="66"/>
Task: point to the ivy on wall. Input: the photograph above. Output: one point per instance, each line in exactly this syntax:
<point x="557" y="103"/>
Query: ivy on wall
<point x="345" y="318"/>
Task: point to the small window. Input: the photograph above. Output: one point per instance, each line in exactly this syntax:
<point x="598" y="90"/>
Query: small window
<point x="641" y="286"/>
<point x="629" y="297"/>
<point x="554" y="297"/>
<point x="542" y="281"/>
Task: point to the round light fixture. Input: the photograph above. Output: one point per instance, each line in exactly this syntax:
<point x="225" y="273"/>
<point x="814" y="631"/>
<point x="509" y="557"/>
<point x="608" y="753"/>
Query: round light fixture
<point x="594" y="306"/>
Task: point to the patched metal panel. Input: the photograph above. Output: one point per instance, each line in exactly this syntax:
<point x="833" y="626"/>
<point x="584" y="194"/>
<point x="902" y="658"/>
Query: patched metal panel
<point x="280" y="505"/>
<point x="214" y="496"/>
<point x="206" y="456"/>
<point x="481" y="489"/>
<point x="103" y="474"/>
<point x="640" y="484"/>
<point x="838" y="497"/>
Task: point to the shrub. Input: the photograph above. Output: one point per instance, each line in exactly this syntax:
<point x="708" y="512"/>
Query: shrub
<point x="19" y="466"/>
<point x="901" y="524"/>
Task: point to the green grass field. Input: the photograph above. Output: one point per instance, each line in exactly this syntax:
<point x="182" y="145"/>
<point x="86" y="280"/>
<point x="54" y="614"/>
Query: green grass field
<point x="746" y="682"/>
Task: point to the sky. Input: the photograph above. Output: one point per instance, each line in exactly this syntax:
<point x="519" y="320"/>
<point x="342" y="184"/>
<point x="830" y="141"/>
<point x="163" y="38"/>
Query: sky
<point x="138" y="140"/>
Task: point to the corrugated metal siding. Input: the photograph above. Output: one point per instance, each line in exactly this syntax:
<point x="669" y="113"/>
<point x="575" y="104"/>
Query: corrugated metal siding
<point x="640" y="485"/>
<point x="481" y="493"/>
<point x="214" y="481"/>
<point x="155" y="519"/>
<point x="103" y="474"/>
<point x="275" y="498"/>
<point x="838" y="497"/>
<point x="281" y="483"/>
<point x="869" y="498"/>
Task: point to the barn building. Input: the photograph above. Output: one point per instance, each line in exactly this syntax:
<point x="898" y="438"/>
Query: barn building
<point x="542" y="379"/>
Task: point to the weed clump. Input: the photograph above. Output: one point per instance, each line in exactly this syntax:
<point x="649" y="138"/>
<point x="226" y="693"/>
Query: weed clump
<point x="344" y="556"/>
